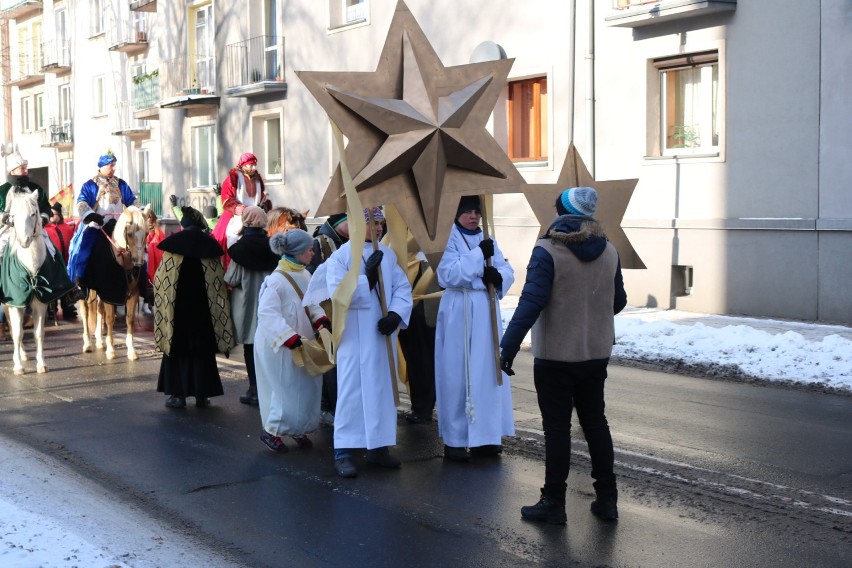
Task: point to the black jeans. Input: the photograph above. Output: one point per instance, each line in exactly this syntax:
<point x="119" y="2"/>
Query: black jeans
<point x="418" y="346"/>
<point x="560" y="389"/>
<point x="248" y="357"/>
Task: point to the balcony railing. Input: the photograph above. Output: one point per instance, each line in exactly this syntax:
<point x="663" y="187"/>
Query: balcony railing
<point x="56" y="56"/>
<point x="127" y="124"/>
<point x="26" y="70"/>
<point x="143" y="5"/>
<point x="188" y="76"/>
<point x="58" y="134"/>
<point x="128" y="37"/>
<point x="14" y="9"/>
<point x="146" y="95"/>
<point x="255" y="66"/>
<point x="151" y="192"/>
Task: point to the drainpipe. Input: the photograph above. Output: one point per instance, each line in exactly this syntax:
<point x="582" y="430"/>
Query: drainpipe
<point x="590" y="89"/>
<point x="572" y="57"/>
<point x="5" y="73"/>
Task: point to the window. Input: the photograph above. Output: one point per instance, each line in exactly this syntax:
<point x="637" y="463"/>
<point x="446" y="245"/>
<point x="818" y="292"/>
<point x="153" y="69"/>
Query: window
<point x="98" y="96"/>
<point x="39" y="111"/>
<point x="204" y="155"/>
<point x="689" y="102"/>
<point x="96" y="15"/>
<point x="65" y="104"/>
<point x="203" y="66"/>
<point x="66" y="167"/>
<point x="346" y="12"/>
<point x="29" y="49"/>
<point x="63" y="52"/>
<point x="268" y="137"/>
<point x="26" y="114"/>
<point x="528" y="120"/>
<point x="142" y="171"/>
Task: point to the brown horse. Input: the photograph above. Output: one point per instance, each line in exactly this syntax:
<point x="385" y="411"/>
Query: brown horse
<point x="283" y="219"/>
<point x="129" y="239"/>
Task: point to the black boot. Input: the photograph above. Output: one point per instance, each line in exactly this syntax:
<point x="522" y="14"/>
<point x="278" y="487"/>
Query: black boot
<point x="547" y="510"/>
<point x="250" y="397"/>
<point x="605" y="507"/>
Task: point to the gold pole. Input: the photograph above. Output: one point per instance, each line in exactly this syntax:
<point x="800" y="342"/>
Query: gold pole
<point x="384" y="304"/>
<point x="492" y="299"/>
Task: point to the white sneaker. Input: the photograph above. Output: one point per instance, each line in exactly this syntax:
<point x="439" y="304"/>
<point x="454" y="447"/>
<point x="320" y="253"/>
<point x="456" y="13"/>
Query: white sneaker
<point x="327" y="417"/>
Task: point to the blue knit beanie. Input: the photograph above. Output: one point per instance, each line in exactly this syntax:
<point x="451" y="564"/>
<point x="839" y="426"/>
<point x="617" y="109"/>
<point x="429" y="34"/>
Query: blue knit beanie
<point x="577" y="201"/>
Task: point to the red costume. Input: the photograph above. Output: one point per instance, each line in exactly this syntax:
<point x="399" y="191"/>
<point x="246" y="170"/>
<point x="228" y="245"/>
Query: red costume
<point x="60" y="235"/>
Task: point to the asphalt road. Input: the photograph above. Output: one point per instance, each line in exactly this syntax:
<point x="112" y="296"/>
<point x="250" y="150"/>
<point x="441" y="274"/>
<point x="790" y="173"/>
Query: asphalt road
<point x="711" y="473"/>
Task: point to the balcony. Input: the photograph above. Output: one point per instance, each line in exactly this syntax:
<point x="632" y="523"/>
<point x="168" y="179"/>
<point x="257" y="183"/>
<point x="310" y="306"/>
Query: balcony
<point x="189" y="82"/>
<point x="27" y="72"/>
<point x="56" y="57"/>
<point x="127" y="123"/>
<point x="146" y="96"/>
<point x="143" y="5"/>
<point x="255" y="67"/>
<point x="128" y="37"/>
<point x="638" y="13"/>
<point x="18" y="9"/>
<point x="58" y="135"/>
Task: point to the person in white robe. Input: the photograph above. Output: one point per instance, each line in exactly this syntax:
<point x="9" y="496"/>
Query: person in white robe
<point x="365" y="415"/>
<point x="473" y="410"/>
<point x="289" y="397"/>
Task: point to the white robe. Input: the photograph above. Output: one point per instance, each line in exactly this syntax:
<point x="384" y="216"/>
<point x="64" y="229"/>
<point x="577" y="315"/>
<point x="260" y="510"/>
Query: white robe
<point x="472" y="409"/>
<point x="289" y="397"/>
<point x="365" y="416"/>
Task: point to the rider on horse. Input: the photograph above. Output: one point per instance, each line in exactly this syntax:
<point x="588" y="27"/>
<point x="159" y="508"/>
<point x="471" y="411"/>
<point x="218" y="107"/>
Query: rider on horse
<point x="101" y="201"/>
<point x="53" y="269"/>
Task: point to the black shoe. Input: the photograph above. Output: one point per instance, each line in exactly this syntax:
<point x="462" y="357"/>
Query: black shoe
<point x="487" y="450"/>
<point x="456" y="454"/>
<point x="414" y="417"/>
<point x="274" y="443"/>
<point x="250" y="397"/>
<point x="605" y="507"/>
<point x="382" y="457"/>
<point x="175" y="402"/>
<point x="201" y="402"/>
<point x="345" y="468"/>
<point x="547" y="511"/>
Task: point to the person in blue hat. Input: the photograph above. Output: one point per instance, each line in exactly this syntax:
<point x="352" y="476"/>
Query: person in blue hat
<point x="101" y="201"/>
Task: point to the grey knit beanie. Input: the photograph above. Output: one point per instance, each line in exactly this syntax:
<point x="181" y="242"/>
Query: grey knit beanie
<point x="291" y="243"/>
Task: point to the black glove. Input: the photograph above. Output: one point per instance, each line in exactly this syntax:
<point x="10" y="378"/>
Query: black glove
<point x="487" y="246"/>
<point x="506" y="364"/>
<point x="389" y="323"/>
<point x="296" y="344"/>
<point x="217" y="189"/>
<point x="95" y="218"/>
<point x="372" y="267"/>
<point x="493" y="276"/>
<point x="173" y="200"/>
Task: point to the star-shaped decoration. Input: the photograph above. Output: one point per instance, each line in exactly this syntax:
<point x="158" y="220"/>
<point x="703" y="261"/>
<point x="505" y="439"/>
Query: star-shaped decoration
<point x="613" y="198"/>
<point x="417" y="132"/>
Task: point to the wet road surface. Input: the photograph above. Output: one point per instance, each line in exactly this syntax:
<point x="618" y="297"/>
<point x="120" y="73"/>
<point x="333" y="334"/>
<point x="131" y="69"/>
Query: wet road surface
<point x="710" y="472"/>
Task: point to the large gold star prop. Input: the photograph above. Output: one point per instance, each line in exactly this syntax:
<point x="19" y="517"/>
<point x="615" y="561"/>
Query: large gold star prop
<point x="613" y="198"/>
<point x="417" y="132"/>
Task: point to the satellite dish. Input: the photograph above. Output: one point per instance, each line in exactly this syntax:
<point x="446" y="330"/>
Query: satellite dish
<point x="487" y="51"/>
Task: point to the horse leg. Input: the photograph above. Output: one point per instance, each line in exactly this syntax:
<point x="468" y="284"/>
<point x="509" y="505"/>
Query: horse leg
<point x="109" y="319"/>
<point x="83" y="314"/>
<point x="39" y="316"/>
<point x="130" y="318"/>
<point x="99" y="325"/>
<point x="16" y="326"/>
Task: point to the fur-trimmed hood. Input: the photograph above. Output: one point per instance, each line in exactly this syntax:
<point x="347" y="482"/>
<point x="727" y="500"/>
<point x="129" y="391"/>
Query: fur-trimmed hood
<point x="584" y="236"/>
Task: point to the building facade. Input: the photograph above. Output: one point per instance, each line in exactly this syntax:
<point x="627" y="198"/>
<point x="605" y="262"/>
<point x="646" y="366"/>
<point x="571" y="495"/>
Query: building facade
<point x="732" y="115"/>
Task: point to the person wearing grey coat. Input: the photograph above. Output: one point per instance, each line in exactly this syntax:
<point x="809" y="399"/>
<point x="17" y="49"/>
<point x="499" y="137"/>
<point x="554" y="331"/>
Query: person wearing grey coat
<point x="251" y="262"/>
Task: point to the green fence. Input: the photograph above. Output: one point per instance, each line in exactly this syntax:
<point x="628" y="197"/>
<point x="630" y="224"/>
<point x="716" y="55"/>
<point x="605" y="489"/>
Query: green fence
<point x="152" y="192"/>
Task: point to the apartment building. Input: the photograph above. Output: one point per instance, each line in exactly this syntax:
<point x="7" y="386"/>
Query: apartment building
<point x="732" y="115"/>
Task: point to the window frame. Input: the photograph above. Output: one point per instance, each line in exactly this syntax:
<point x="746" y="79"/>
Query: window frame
<point x="26" y="115"/>
<point x="260" y="139"/>
<point x="195" y="163"/>
<point x="338" y="14"/>
<point x="38" y="108"/>
<point x="542" y="119"/>
<point x="708" y="88"/>
<point x="66" y="108"/>
<point x="99" y="104"/>
<point x="66" y="170"/>
<point x="96" y="18"/>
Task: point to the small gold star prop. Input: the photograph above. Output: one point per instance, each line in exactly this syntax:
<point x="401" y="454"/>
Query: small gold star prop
<point x="613" y="198"/>
<point x="417" y="132"/>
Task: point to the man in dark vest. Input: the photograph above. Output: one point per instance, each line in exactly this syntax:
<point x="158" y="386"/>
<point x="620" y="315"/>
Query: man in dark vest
<point x="572" y="292"/>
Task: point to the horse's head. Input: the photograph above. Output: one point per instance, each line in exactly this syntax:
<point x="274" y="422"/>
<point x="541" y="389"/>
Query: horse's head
<point x="23" y="208"/>
<point x="129" y="233"/>
<point x="283" y="219"/>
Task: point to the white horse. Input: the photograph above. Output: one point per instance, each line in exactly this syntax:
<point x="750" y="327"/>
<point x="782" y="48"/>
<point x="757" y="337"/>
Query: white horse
<point x="129" y="236"/>
<point x="29" y="246"/>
